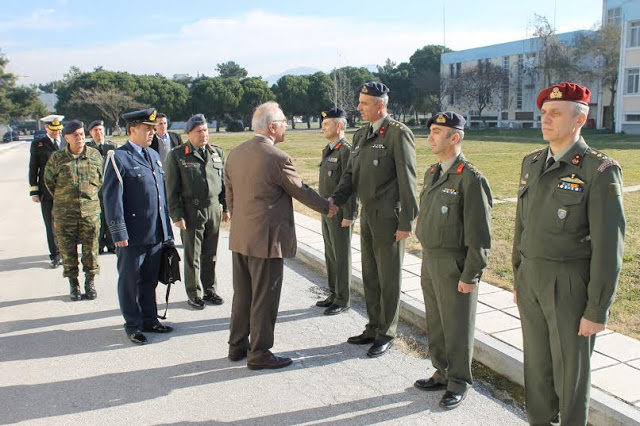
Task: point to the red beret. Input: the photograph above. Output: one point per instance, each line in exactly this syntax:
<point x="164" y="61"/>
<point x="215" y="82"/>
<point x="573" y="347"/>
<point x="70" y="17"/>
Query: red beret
<point x="565" y="92"/>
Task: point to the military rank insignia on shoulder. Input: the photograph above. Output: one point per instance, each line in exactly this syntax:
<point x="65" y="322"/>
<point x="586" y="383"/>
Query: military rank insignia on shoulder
<point x="605" y="160"/>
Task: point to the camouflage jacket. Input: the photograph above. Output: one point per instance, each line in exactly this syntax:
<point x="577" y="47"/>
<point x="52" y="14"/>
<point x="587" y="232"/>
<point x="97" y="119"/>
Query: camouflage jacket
<point x="75" y="182"/>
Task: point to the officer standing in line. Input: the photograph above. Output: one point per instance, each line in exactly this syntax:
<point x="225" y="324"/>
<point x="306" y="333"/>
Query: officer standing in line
<point x="136" y="210"/>
<point x="96" y="130"/>
<point x="41" y="150"/>
<point x="74" y="177"/>
<point x="454" y="229"/>
<point x="336" y="230"/>
<point x="382" y="172"/>
<point x="195" y="193"/>
<point x="567" y="255"/>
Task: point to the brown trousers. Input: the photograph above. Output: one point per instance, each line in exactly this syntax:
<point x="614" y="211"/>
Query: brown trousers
<point x="257" y="284"/>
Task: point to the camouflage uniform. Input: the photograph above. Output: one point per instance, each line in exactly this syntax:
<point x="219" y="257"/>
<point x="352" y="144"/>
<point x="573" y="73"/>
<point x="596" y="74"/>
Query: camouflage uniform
<point x="75" y="180"/>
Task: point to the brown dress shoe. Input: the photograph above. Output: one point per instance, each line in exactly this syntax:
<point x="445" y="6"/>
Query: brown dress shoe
<point x="269" y="361"/>
<point x="237" y="354"/>
<point x="325" y="303"/>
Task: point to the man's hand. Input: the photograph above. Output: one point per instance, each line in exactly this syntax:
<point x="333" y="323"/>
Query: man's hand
<point x="401" y="235"/>
<point x="181" y="224"/>
<point x="588" y="328"/>
<point x="346" y="223"/>
<point x="225" y="216"/>
<point x="35" y="198"/>
<point x="121" y="243"/>
<point x="333" y="209"/>
<point x="466" y="288"/>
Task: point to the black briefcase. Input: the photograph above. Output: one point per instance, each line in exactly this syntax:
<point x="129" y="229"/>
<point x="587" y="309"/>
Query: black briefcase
<point x="169" y="271"/>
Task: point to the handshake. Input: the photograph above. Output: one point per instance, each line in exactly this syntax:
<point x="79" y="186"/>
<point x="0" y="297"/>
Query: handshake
<point x="333" y="209"/>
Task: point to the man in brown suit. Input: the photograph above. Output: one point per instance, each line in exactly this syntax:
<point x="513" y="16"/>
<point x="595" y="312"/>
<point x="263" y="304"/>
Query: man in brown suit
<point x="260" y="180"/>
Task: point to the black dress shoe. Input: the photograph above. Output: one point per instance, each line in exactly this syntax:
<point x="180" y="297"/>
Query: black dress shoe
<point x="196" y="303"/>
<point x="237" y="354"/>
<point x="379" y="347"/>
<point x="360" y="339"/>
<point x="335" y="309"/>
<point x="269" y="361"/>
<point x="429" y="384"/>
<point x="451" y="400"/>
<point x="158" y="328"/>
<point x="55" y="262"/>
<point x="111" y="250"/>
<point x="137" y="337"/>
<point x="325" y="303"/>
<point x="214" y="299"/>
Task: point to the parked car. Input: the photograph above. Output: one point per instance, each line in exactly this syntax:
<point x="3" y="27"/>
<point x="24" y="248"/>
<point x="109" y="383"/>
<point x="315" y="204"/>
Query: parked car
<point x="39" y="134"/>
<point x="11" y="135"/>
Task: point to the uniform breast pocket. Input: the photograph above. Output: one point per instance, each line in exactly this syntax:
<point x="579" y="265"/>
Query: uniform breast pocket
<point x="333" y="170"/>
<point x="450" y="222"/>
<point x="569" y="210"/>
<point x="217" y="165"/>
<point x="380" y="157"/>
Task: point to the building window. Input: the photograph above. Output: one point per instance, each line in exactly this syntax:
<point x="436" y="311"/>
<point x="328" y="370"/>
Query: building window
<point x="458" y="68"/>
<point x="632" y="117"/>
<point x="614" y="15"/>
<point x="505" y="63"/>
<point x="452" y="98"/>
<point x="634" y="34"/>
<point x="632" y="80"/>
<point x="452" y="70"/>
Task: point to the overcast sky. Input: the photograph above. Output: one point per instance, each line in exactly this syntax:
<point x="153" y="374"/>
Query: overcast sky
<point x="43" y="39"/>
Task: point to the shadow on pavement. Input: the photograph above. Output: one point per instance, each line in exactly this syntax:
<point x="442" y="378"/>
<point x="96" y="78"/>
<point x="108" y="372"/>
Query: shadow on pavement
<point x="8" y="303"/>
<point x="25" y="262"/>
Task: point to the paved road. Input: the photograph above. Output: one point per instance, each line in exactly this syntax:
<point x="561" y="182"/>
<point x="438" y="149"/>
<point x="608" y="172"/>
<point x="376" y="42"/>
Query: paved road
<point x="64" y="362"/>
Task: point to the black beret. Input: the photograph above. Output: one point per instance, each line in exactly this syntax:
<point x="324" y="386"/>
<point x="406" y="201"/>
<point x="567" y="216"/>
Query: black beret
<point x="334" y="113"/>
<point x="71" y="126"/>
<point x="144" y="116"/>
<point x="374" y="88"/>
<point x="194" y="121"/>
<point x="447" y="119"/>
<point x="95" y="123"/>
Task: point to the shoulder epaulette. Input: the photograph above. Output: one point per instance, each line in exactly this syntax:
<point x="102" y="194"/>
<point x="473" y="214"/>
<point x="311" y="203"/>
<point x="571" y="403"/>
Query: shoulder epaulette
<point x="533" y="155"/>
<point x="604" y="159"/>
<point x="472" y="169"/>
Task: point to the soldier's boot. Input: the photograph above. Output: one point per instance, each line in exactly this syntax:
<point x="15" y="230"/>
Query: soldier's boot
<point x="75" y="293"/>
<point x="89" y="288"/>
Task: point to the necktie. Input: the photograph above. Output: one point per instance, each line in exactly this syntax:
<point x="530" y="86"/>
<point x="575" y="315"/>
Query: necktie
<point x="550" y="162"/>
<point x="147" y="157"/>
<point x="203" y="153"/>
<point x="436" y="173"/>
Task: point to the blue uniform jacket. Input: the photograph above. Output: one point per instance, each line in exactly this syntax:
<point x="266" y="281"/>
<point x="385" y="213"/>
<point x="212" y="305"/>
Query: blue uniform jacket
<point x="134" y="197"/>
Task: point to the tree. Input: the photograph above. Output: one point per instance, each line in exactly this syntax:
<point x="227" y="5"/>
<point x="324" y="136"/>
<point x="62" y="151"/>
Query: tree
<point x="292" y="95"/>
<point x="319" y="92"/>
<point x="17" y="103"/>
<point x="231" y="70"/>
<point x="555" y="62"/>
<point x="111" y="102"/>
<point x="165" y="95"/>
<point x="347" y="81"/>
<point x="7" y="82"/>
<point x="598" y="56"/>
<point x="255" y="91"/>
<point x="426" y="83"/>
<point x="475" y="87"/>
<point x="215" y="97"/>
<point x="398" y="79"/>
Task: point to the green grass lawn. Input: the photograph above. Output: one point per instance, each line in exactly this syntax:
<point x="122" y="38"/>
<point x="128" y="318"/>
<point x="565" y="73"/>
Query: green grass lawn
<point x="498" y="154"/>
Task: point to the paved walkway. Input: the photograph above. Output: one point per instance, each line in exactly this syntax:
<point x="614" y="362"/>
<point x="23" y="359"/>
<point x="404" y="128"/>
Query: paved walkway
<point x="615" y="362"/>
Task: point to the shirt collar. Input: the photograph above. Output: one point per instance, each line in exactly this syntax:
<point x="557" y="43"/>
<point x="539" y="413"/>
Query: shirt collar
<point x="377" y="124"/>
<point x="558" y="155"/>
<point x="267" y="138"/>
<point x="136" y="148"/>
<point x="332" y="145"/>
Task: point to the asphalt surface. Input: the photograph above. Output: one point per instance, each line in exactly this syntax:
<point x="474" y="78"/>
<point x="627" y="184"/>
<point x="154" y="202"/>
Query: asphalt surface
<point x="64" y="362"/>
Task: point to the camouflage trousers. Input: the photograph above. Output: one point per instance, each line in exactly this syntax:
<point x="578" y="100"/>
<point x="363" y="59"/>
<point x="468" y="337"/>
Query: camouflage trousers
<point x="70" y="233"/>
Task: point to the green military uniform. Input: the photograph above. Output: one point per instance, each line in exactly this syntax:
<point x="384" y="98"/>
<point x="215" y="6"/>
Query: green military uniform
<point x="454" y="230"/>
<point x="567" y="255"/>
<point x="382" y="171"/>
<point x="195" y="192"/>
<point x="337" y="239"/>
<point x="75" y="181"/>
<point x="105" y="239"/>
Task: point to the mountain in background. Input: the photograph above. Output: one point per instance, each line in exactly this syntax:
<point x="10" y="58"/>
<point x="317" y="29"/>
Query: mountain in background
<point x="273" y="79"/>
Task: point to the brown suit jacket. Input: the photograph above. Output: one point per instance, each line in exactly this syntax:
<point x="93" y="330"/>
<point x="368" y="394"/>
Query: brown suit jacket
<point x="260" y="180"/>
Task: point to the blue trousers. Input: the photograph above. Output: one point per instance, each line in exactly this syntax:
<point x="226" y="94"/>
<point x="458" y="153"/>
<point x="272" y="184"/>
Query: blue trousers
<point x="138" y="268"/>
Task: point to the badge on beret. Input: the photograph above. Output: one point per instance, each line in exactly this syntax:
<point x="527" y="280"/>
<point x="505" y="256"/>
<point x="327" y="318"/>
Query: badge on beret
<point x="555" y="94"/>
<point x="324" y="114"/>
<point x="152" y="117"/>
<point x="444" y="209"/>
<point x="562" y="213"/>
<point x="441" y="119"/>
<point x="364" y="89"/>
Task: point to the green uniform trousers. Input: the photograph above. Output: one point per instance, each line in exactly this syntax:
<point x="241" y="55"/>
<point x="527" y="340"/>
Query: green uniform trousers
<point x="337" y="254"/>
<point x="552" y="297"/>
<point x="70" y="233"/>
<point x="200" y="241"/>
<point x="451" y="319"/>
<point x="382" y="259"/>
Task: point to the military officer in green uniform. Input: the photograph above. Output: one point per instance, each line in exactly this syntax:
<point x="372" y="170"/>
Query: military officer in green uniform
<point x="96" y="130"/>
<point x="195" y="195"/>
<point x="567" y="255"/>
<point x="336" y="230"/>
<point x="74" y="177"/>
<point x="382" y="172"/>
<point x="454" y="230"/>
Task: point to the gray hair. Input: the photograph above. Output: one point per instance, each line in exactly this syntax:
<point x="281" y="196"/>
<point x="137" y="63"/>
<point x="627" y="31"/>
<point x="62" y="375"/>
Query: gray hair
<point x="454" y="131"/>
<point x="342" y="121"/>
<point x="384" y="98"/>
<point x="579" y="108"/>
<point x="265" y="114"/>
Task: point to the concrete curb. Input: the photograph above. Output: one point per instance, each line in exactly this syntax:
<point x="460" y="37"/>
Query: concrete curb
<point x="502" y="358"/>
